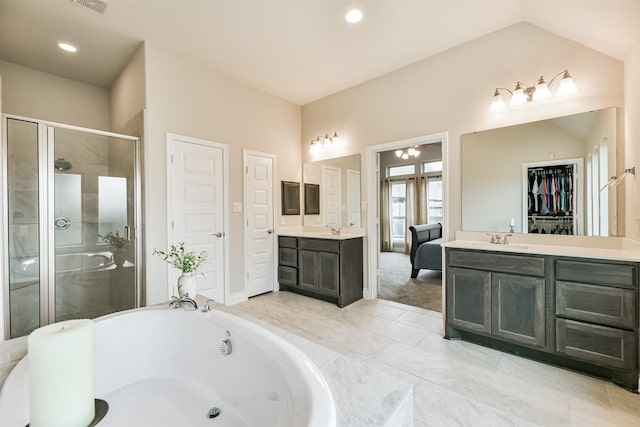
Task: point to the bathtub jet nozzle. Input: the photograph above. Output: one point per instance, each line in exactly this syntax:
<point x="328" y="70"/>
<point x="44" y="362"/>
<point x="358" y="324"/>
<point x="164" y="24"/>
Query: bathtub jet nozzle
<point x="225" y="347"/>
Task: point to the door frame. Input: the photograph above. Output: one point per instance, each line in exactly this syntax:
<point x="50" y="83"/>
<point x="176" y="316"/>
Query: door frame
<point x="373" y="196"/>
<point x="245" y="219"/>
<point x="225" y="202"/>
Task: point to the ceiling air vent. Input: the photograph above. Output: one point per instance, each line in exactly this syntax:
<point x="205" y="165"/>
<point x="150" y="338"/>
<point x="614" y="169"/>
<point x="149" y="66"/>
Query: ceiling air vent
<point x="95" y="5"/>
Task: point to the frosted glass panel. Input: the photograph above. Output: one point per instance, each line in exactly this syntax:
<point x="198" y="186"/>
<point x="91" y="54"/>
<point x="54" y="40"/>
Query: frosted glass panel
<point x="68" y="209"/>
<point x="112" y="204"/>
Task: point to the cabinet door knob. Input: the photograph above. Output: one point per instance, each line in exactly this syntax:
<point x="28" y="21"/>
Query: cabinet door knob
<point x="218" y="234"/>
<point x="270" y="231"/>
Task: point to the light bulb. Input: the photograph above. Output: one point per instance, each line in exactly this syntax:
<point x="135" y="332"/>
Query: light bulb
<point x="405" y="156"/>
<point x="336" y="140"/>
<point x="542" y="90"/>
<point x="353" y="16"/>
<point x="567" y="86"/>
<point x="518" y="97"/>
<point x="497" y="103"/>
<point x="66" y="46"/>
<point x="327" y="140"/>
<point x="399" y="153"/>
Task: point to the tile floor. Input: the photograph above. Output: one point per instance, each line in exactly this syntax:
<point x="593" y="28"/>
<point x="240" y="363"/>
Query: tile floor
<point x="455" y="383"/>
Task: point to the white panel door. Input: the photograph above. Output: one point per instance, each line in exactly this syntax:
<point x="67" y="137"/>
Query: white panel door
<point x="353" y="198"/>
<point x="331" y="195"/>
<point x="197" y="211"/>
<point x="260" y="238"/>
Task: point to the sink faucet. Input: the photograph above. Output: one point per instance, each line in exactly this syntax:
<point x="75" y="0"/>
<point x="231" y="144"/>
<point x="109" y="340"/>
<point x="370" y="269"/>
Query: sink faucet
<point x="334" y="230"/>
<point x="184" y="302"/>
<point x="498" y="239"/>
<point x="207" y="305"/>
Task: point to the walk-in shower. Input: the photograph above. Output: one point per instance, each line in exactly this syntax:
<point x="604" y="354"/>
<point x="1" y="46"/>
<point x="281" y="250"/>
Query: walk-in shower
<point x="71" y="200"/>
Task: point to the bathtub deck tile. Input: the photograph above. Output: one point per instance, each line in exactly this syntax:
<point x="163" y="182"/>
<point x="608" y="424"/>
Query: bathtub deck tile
<point x="366" y="397"/>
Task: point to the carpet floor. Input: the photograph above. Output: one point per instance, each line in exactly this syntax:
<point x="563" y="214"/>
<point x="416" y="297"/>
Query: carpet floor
<point x="397" y="285"/>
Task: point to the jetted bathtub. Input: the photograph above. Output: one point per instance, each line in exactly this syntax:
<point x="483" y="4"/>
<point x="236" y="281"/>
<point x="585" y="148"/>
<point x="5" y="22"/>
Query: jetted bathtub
<point x="165" y="367"/>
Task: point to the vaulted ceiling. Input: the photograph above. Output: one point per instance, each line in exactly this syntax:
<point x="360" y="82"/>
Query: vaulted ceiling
<point x="299" y="50"/>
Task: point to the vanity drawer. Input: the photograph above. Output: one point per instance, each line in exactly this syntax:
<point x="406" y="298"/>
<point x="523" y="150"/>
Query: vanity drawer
<point x="288" y="256"/>
<point x="614" y="348"/>
<point x="322" y="245"/>
<point x="287" y="276"/>
<point x="598" y="304"/>
<point x="503" y="263"/>
<point x="287" y="242"/>
<point x="598" y="273"/>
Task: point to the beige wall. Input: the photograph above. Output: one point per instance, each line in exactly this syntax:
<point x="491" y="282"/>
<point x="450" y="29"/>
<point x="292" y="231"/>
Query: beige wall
<point x="452" y="91"/>
<point x="632" y="135"/>
<point x="127" y="94"/>
<point x="186" y="98"/>
<point x="34" y="94"/>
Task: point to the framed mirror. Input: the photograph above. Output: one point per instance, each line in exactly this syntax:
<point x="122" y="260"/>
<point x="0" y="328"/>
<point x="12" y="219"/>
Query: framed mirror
<point x="311" y="199"/>
<point x="290" y="198"/>
<point x="545" y="177"/>
<point x="335" y="186"/>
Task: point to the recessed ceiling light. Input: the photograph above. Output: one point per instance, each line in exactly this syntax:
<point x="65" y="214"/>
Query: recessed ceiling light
<point x="353" y="16"/>
<point x="67" y="47"/>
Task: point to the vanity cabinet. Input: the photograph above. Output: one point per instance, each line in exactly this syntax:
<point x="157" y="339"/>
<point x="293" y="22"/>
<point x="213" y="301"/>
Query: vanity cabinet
<point x="578" y="313"/>
<point x="328" y="269"/>
<point x="596" y="312"/>
<point x="498" y="295"/>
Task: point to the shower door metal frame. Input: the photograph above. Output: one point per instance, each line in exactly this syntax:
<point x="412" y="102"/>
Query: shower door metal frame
<point x="46" y="205"/>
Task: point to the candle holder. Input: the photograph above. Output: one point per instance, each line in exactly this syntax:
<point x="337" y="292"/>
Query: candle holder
<point x="101" y="407"/>
<point x="511" y="230"/>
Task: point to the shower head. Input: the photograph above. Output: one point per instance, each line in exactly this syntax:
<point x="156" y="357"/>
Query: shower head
<point x="61" y="164"/>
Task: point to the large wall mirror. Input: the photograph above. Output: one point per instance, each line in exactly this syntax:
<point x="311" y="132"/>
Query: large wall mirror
<point x="542" y="177"/>
<point x="338" y="181"/>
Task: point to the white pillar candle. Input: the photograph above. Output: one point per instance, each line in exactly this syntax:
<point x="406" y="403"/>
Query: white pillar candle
<point x="512" y="222"/>
<point x="61" y="391"/>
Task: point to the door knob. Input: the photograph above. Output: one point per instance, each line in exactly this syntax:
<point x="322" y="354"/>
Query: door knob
<point x="218" y="234"/>
<point x="270" y="231"/>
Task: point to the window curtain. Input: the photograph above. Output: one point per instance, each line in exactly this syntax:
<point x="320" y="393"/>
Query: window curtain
<point x="385" y="226"/>
<point x="410" y="214"/>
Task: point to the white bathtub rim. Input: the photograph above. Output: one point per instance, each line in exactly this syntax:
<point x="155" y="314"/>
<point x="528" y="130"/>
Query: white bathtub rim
<point x="15" y="385"/>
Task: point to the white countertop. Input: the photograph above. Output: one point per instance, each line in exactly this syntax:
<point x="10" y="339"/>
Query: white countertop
<point x="321" y="233"/>
<point x="522" y="246"/>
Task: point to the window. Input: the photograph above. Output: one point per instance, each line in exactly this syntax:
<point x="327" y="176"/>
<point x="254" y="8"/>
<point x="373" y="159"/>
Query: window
<point x="398" y="214"/>
<point x="432" y="166"/>
<point x="434" y="199"/>
<point x="401" y="170"/>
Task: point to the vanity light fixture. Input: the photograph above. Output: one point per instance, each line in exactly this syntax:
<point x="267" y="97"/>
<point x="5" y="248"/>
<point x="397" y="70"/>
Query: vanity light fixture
<point x="322" y="143"/>
<point x="540" y="91"/>
<point x="406" y="153"/>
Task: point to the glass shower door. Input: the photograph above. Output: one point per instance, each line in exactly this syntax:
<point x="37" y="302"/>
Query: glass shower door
<point x="70" y="202"/>
<point x="22" y="215"/>
<point x="93" y="219"/>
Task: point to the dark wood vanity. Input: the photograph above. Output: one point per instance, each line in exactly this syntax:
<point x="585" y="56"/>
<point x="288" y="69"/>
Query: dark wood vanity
<point x="578" y="313"/>
<point x="327" y="269"/>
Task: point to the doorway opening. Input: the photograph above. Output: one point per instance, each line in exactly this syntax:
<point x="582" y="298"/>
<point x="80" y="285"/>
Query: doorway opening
<point x="409" y="191"/>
